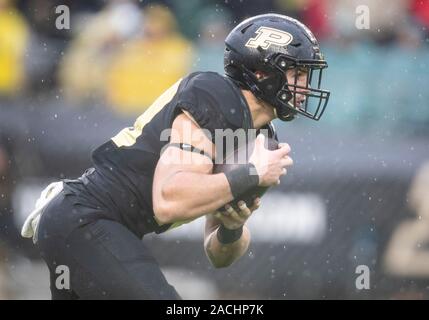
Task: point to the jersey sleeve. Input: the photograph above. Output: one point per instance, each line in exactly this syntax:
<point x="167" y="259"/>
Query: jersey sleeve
<point x="212" y="102"/>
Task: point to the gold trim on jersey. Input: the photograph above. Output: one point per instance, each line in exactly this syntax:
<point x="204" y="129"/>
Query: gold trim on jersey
<point x="128" y="136"/>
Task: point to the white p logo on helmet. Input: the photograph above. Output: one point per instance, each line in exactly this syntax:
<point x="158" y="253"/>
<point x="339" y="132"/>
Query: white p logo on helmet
<point x="268" y="36"/>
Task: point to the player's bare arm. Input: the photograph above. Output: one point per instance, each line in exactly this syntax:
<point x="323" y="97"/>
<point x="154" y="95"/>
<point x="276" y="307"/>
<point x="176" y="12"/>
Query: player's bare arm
<point x="188" y="190"/>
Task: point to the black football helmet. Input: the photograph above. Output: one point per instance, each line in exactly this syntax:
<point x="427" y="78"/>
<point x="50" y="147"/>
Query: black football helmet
<point x="272" y="44"/>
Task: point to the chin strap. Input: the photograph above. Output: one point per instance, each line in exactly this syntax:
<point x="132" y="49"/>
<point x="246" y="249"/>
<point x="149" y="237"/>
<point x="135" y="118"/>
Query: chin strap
<point x="288" y="116"/>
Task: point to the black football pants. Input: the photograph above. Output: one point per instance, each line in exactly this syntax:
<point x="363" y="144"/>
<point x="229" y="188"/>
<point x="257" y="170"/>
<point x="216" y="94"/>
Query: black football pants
<point x="103" y="258"/>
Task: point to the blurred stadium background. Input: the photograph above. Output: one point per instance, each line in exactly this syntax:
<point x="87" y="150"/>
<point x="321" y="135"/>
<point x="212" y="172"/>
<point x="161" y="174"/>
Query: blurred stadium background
<point x="357" y="194"/>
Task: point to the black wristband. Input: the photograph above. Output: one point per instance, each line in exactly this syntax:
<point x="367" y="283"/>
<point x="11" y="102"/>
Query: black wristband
<point x="242" y="179"/>
<point x="226" y="236"/>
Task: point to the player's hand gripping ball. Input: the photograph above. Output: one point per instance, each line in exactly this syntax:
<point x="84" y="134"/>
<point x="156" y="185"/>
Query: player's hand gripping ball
<point x="228" y="164"/>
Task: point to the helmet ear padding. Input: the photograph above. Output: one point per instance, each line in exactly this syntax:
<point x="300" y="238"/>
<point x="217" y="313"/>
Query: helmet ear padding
<point x="267" y="88"/>
<point x="251" y="83"/>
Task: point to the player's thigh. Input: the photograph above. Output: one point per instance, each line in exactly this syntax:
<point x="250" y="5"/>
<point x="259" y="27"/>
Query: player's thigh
<point x="111" y="262"/>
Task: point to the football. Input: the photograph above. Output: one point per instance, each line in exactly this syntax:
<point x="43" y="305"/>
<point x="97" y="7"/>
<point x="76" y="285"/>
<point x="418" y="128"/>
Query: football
<point x="244" y="152"/>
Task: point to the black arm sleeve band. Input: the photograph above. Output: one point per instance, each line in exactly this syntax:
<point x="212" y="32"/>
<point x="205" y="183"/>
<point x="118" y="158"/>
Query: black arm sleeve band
<point x="188" y="147"/>
<point x="226" y="236"/>
<point x="241" y="179"/>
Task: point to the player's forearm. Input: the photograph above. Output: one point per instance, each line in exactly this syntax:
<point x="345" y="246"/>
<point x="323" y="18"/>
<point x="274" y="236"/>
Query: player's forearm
<point x="223" y="255"/>
<point x="189" y="195"/>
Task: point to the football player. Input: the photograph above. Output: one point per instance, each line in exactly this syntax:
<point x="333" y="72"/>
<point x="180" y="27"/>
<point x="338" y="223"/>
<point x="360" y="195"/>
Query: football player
<point x="93" y="225"/>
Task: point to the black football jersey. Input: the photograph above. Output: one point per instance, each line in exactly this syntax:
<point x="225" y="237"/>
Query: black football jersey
<point x="125" y="165"/>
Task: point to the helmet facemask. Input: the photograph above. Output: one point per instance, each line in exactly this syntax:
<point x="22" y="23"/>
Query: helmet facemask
<point x="316" y="99"/>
